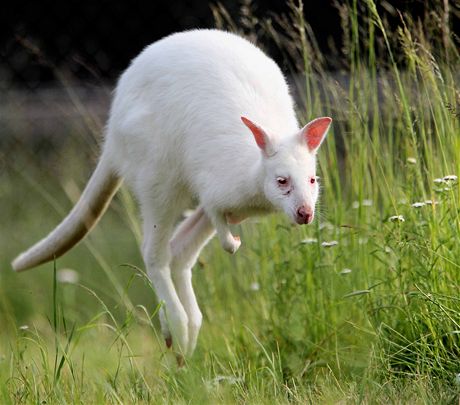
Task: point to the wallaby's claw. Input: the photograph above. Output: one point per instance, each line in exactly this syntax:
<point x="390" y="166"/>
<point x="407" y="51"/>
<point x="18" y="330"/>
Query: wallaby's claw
<point x="237" y="243"/>
<point x="180" y="360"/>
<point x="168" y="341"/>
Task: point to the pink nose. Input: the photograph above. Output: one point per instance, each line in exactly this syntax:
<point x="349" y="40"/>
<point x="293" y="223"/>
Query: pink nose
<point x="304" y="215"/>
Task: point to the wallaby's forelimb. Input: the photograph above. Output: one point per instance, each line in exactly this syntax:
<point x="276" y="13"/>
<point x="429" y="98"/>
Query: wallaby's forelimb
<point x="229" y="242"/>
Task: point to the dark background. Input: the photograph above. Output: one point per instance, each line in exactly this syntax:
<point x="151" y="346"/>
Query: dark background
<point x="95" y="40"/>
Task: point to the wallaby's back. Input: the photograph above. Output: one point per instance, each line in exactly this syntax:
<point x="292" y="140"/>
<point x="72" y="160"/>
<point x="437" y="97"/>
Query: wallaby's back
<point x="177" y="109"/>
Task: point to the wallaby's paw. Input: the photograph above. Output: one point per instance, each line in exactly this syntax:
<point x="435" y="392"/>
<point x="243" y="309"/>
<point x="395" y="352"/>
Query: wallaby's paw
<point x="237" y="243"/>
<point x="232" y="245"/>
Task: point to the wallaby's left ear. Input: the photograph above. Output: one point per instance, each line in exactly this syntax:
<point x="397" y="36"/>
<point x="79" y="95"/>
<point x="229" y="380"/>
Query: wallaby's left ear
<point x="261" y="137"/>
<point x="315" y="132"/>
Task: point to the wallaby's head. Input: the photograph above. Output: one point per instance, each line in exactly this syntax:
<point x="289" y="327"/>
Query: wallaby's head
<point x="289" y="167"/>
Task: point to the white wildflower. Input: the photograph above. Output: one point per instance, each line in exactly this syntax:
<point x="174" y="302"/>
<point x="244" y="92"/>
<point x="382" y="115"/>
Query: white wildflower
<point x="396" y="218"/>
<point x="24" y="327"/>
<point x="345" y="271"/>
<point x="68" y="276"/>
<point x="411" y="160"/>
<point x="187" y="213"/>
<point x="365" y="203"/>
<point x="438" y="181"/>
<point x="326" y="226"/>
<point x="457" y="379"/>
<point x="255" y="286"/>
<point x="418" y="204"/>
<point x="431" y="202"/>
<point x="308" y="241"/>
<point x="388" y="249"/>
<point x="216" y="381"/>
<point x="450" y="177"/>
<point x="329" y="244"/>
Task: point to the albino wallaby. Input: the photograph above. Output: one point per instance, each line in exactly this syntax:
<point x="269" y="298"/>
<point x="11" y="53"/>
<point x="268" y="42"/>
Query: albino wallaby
<point x="178" y="133"/>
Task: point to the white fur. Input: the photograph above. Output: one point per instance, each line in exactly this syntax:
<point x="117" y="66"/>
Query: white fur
<point x="176" y="137"/>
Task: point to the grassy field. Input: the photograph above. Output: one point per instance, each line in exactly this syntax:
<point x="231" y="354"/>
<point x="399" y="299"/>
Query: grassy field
<point x="361" y="307"/>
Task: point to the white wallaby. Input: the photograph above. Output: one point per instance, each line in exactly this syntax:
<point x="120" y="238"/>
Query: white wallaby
<point x="179" y="131"/>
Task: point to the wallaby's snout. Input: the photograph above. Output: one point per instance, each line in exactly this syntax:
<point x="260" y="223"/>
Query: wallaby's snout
<point x="304" y="215"/>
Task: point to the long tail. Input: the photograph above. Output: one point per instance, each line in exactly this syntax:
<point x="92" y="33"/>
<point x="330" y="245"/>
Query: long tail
<point x="95" y="199"/>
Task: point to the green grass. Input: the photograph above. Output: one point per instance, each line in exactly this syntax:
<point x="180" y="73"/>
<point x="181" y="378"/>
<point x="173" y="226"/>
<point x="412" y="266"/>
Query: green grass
<point x="283" y="321"/>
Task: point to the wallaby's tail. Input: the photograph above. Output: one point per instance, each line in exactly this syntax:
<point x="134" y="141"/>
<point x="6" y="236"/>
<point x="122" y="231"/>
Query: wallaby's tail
<point x="92" y="204"/>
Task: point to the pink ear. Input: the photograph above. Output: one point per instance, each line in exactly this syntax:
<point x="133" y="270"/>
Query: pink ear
<point x="315" y="131"/>
<point x="259" y="134"/>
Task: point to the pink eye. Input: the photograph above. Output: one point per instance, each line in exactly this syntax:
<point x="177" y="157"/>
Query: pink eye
<point x="312" y="180"/>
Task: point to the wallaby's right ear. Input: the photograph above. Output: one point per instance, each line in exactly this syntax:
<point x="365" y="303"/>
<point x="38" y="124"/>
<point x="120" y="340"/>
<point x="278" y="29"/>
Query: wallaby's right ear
<point x="261" y="137"/>
<point x="315" y="132"/>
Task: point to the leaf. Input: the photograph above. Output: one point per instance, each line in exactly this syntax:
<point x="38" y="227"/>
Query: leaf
<point x="357" y="292"/>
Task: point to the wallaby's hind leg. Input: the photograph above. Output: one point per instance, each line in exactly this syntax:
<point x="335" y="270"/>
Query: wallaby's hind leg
<point x="159" y="219"/>
<point x="189" y="239"/>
